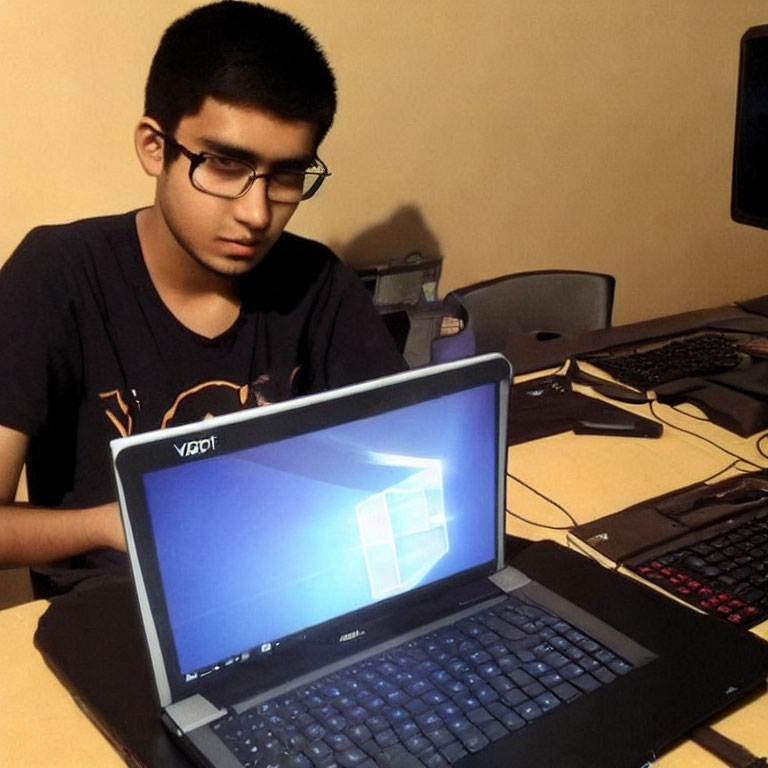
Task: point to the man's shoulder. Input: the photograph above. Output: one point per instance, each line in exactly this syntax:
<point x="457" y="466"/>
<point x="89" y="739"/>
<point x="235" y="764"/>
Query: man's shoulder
<point x="81" y="230"/>
<point x="61" y="249"/>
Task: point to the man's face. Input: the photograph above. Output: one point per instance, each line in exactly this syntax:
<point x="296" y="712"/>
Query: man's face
<point x="226" y="236"/>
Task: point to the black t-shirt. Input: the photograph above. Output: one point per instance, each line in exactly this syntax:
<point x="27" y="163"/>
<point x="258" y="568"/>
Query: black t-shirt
<point x="90" y="352"/>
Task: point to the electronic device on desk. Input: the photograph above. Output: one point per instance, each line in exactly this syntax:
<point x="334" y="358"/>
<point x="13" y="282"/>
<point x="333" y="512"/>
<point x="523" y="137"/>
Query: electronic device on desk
<point x="705" y="544"/>
<point x="694" y="355"/>
<point x="725" y="375"/>
<point x="749" y="203"/>
<point x="758" y="305"/>
<point x="549" y="406"/>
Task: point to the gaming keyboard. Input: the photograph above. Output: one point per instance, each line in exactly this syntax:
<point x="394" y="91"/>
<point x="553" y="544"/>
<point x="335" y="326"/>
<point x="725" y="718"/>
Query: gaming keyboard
<point x="698" y="355"/>
<point x="725" y="574"/>
<point x="437" y="697"/>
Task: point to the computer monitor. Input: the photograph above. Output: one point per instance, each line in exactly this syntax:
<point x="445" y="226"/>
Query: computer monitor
<point x="749" y="190"/>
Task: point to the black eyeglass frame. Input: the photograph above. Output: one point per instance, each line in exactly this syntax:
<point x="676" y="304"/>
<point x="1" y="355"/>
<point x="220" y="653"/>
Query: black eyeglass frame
<point x="196" y="159"/>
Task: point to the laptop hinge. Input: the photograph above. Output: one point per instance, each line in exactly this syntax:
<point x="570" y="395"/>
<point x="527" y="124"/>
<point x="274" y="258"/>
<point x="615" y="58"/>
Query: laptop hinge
<point x="193" y="712"/>
<point x="509" y="579"/>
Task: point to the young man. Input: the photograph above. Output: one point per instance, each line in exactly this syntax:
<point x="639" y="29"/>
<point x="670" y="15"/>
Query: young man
<point x="198" y="305"/>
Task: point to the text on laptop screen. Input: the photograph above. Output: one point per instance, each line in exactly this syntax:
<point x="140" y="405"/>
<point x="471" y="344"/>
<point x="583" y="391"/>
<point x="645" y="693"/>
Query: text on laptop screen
<point x="258" y="544"/>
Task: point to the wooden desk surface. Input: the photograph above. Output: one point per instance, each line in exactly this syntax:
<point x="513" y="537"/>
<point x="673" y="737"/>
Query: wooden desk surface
<point x="592" y="476"/>
<point x="40" y="724"/>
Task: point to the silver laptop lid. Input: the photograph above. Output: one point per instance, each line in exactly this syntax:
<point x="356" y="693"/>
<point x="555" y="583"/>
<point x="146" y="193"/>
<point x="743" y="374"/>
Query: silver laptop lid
<point x="264" y="537"/>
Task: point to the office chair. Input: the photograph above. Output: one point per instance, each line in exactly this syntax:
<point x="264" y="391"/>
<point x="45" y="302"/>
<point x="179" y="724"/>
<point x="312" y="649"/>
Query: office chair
<point x="542" y="303"/>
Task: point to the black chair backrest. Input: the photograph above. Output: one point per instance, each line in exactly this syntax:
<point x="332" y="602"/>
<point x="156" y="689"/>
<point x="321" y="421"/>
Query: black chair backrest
<point x="546" y="303"/>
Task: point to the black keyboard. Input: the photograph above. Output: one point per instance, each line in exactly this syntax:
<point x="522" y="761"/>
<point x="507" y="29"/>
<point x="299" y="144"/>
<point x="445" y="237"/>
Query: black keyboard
<point x="698" y="355"/>
<point x="438" y="697"/>
<point x="725" y="575"/>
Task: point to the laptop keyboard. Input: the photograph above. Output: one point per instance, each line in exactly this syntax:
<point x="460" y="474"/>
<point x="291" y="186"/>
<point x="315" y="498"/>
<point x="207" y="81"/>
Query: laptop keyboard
<point x="437" y="698"/>
<point x="692" y="356"/>
<point x="725" y="575"/>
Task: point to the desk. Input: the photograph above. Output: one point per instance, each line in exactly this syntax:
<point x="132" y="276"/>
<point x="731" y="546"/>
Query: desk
<point x="40" y="724"/>
<point x="592" y="476"/>
<point x="567" y="468"/>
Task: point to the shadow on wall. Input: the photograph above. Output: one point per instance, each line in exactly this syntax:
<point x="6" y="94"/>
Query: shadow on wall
<point x="390" y="241"/>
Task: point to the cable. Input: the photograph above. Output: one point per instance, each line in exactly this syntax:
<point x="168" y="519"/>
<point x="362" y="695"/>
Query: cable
<point x="759" y="447"/>
<point x="732" y="465"/>
<point x="570" y="517"/>
<point x="676" y="409"/>
<point x="700" y="437"/>
<point x="539" y="525"/>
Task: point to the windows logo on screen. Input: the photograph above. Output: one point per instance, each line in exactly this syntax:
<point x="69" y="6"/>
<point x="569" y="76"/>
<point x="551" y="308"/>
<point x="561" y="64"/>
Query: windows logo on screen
<point x="403" y="528"/>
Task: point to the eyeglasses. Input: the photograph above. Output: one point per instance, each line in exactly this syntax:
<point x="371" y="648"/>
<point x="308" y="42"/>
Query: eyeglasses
<point x="226" y="177"/>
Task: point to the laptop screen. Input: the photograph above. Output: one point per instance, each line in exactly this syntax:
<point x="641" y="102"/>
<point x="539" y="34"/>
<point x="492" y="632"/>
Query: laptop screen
<point x="250" y="533"/>
<point x="256" y="545"/>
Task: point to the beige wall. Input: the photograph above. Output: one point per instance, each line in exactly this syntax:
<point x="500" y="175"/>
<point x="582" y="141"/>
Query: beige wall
<point x="504" y="135"/>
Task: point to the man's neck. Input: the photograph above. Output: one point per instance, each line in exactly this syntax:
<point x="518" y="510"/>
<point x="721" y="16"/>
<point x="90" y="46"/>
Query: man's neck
<point x="203" y="301"/>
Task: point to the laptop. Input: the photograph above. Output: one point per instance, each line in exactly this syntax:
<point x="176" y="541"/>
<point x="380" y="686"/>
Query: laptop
<point x="328" y="574"/>
<point x="705" y="544"/>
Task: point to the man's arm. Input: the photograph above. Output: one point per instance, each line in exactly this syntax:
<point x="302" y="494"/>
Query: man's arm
<point x="32" y="535"/>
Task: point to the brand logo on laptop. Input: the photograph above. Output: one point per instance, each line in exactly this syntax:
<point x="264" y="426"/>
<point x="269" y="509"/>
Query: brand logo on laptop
<point x="196" y="447"/>
<point x="346" y="637"/>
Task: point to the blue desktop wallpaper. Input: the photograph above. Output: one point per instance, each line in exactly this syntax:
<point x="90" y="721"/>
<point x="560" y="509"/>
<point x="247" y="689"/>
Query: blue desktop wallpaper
<point x="259" y="544"/>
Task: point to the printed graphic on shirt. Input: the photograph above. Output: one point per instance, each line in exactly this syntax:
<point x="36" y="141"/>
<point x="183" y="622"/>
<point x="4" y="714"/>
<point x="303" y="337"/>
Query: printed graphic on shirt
<point x="211" y="398"/>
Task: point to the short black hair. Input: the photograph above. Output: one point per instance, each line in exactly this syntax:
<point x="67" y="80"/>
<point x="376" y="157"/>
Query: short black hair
<point x="244" y="54"/>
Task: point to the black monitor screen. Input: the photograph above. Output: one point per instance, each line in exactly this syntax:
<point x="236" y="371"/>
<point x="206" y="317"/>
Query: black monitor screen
<point x="749" y="196"/>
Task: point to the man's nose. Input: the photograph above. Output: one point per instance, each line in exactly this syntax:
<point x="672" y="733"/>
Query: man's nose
<point x="254" y="208"/>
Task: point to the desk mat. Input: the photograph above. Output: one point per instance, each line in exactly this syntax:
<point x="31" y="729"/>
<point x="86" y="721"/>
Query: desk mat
<point x="92" y="640"/>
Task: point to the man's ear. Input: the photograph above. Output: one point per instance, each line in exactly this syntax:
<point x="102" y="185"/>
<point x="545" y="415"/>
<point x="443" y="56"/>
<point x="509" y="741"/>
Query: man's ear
<point x="149" y="146"/>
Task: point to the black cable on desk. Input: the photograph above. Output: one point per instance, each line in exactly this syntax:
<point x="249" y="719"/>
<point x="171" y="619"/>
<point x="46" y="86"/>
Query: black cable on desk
<point x="549" y="501"/>
<point x="684" y="413"/>
<point x="759" y="447"/>
<point x="700" y="437"/>
<point x="732" y="465"/>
